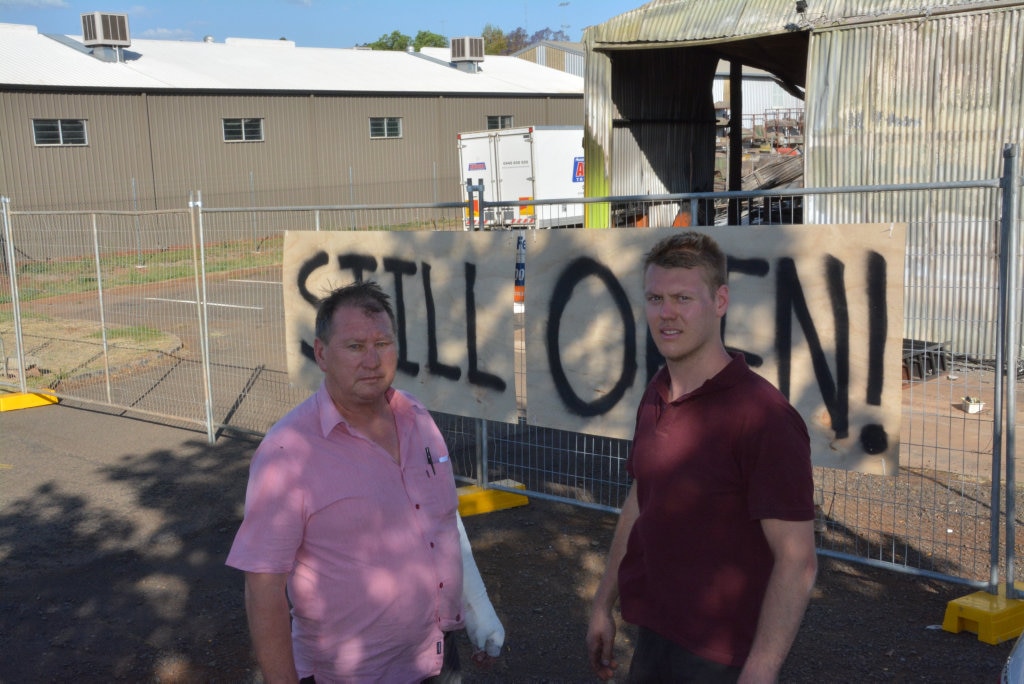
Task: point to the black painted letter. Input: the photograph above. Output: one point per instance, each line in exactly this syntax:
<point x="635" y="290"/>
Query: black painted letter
<point x="573" y="274"/>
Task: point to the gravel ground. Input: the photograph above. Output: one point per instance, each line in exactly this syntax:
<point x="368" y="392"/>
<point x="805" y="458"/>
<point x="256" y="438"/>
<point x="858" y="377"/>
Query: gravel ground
<point x="113" y="534"/>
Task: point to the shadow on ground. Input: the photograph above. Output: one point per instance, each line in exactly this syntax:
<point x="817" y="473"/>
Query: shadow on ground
<point x="118" y="573"/>
<point x="113" y="534"/>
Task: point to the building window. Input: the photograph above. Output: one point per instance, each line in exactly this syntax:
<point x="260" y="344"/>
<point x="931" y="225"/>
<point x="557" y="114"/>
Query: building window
<point x="385" y="127"/>
<point x="499" y="121"/>
<point x="59" y="131"/>
<point x="243" y="130"/>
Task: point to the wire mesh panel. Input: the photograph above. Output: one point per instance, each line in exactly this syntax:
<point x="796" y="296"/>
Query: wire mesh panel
<point x="244" y="303"/>
<point x="934" y="514"/>
<point x="109" y="309"/>
<point x="180" y="314"/>
<point x="569" y="466"/>
<point x="244" y="315"/>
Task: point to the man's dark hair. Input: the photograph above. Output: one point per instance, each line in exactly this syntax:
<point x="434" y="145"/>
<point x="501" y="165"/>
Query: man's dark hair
<point x="365" y="295"/>
<point x="690" y="249"/>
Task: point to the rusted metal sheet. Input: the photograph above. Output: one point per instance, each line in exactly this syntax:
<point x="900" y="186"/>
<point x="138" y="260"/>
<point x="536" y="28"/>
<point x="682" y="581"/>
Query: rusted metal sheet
<point x="694" y="21"/>
<point x="915" y="101"/>
<point x="921" y="101"/>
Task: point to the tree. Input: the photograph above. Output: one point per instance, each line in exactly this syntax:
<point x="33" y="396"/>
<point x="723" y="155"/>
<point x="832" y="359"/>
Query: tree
<point x="516" y="41"/>
<point x="395" y="41"/>
<point x="495" y="42"/>
<point x="428" y="39"/>
<point x="549" y="35"/>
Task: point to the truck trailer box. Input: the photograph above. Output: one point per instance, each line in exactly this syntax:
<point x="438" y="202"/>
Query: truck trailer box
<point x="525" y="164"/>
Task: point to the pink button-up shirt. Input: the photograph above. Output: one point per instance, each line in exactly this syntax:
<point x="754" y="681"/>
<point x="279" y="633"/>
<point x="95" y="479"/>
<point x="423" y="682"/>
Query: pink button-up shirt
<point x="371" y="546"/>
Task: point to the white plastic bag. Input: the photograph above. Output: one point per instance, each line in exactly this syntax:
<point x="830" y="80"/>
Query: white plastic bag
<point x="482" y="624"/>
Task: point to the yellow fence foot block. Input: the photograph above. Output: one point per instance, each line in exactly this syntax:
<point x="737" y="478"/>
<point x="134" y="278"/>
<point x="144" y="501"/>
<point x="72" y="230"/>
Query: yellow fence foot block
<point x="994" y="618"/>
<point x="20" y="400"/>
<point x="474" y="499"/>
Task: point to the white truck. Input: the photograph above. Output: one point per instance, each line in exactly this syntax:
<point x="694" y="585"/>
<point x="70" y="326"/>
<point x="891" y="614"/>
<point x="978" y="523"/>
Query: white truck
<point x="521" y="165"/>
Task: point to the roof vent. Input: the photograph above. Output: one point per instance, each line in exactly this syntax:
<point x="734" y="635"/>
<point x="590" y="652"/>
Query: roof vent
<point x="103" y="29"/>
<point x="468" y="49"/>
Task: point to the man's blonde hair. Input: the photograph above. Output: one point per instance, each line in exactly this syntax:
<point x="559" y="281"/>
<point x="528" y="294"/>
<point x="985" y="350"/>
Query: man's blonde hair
<point x="690" y="249"/>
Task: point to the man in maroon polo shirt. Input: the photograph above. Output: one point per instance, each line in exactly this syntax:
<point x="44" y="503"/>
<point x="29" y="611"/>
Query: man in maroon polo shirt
<point x="713" y="556"/>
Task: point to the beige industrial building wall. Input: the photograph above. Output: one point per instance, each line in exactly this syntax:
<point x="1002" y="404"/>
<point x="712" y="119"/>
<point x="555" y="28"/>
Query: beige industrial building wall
<point x="147" y="151"/>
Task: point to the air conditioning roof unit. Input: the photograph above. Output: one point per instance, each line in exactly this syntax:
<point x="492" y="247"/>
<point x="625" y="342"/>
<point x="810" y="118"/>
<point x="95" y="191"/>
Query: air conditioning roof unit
<point x="468" y="49"/>
<point x="105" y="29"/>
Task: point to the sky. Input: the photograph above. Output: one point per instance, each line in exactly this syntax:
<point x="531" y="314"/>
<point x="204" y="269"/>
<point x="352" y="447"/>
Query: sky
<point x="317" y="23"/>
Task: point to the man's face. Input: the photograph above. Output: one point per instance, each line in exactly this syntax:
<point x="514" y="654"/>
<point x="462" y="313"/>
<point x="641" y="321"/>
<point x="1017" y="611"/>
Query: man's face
<point x="683" y="314"/>
<point x="361" y="357"/>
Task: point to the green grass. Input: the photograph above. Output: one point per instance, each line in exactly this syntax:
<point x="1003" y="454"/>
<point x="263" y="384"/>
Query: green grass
<point x="135" y="333"/>
<point x="39" y="279"/>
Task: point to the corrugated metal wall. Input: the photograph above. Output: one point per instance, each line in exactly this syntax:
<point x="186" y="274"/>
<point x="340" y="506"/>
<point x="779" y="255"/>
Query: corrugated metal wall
<point x="150" y="150"/>
<point x="554" y="57"/>
<point x="661" y="130"/>
<point x="914" y="102"/>
<point x="759" y="95"/>
<point x="99" y="176"/>
<point x="677" y="21"/>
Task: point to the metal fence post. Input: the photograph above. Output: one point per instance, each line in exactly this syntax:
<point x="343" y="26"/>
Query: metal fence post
<point x="103" y="319"/>
<point x="1008" y="292"/>
<point x="12" y="273"/>
<point x="483" y="477"/>
<point x="195" y="204"/>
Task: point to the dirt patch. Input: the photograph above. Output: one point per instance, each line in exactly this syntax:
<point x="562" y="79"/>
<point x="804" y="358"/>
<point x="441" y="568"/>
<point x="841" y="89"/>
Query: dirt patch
<point x="60" y="351"/>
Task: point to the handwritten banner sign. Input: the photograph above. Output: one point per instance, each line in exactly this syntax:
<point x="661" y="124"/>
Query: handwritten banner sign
<point x="452" y="296"/>
<point x="817" y="310"/>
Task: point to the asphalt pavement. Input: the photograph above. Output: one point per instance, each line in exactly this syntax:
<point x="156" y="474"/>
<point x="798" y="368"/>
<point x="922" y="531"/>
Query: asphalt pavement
<point x="113" y="535"/>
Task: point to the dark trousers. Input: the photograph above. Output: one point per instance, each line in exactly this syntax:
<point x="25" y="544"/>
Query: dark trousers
<point x="658" y="660"/>
<point x="451" y="670"/>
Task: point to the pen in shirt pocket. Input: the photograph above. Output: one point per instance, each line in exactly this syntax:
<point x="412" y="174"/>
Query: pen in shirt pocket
<point x="431" y="462"/>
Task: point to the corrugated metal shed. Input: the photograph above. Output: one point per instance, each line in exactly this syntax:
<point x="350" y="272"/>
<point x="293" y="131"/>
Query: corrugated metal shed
<point x="696" y="22"/>
<point x="896" y="91"/>
<point x="567" y="57"/>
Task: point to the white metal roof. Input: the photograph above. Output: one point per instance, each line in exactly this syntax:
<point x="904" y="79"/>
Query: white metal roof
<point x="29" y="58"/>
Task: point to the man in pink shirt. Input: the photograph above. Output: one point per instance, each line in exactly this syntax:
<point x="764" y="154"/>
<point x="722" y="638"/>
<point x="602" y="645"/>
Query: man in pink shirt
<point x="351" y="518"/>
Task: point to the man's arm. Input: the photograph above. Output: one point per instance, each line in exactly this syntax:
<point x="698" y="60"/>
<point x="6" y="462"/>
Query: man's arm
<point x="601" y="631"/>
<point x="266" y="605"/>
<point x="789" y="590"/>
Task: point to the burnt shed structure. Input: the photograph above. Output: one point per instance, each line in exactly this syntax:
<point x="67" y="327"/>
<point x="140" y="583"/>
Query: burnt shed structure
<point x="895" y="91"/>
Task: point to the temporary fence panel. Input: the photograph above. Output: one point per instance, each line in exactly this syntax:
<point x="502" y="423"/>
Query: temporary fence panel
<point x="245" y="310"/>
<point x="197" y="295"/>
<point x="94" y="327"/>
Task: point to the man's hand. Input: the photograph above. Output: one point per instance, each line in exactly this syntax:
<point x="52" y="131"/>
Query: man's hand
<point x="601" y="643"/>
<point x="483" y="661"/>
<point x="601" y="630"/>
